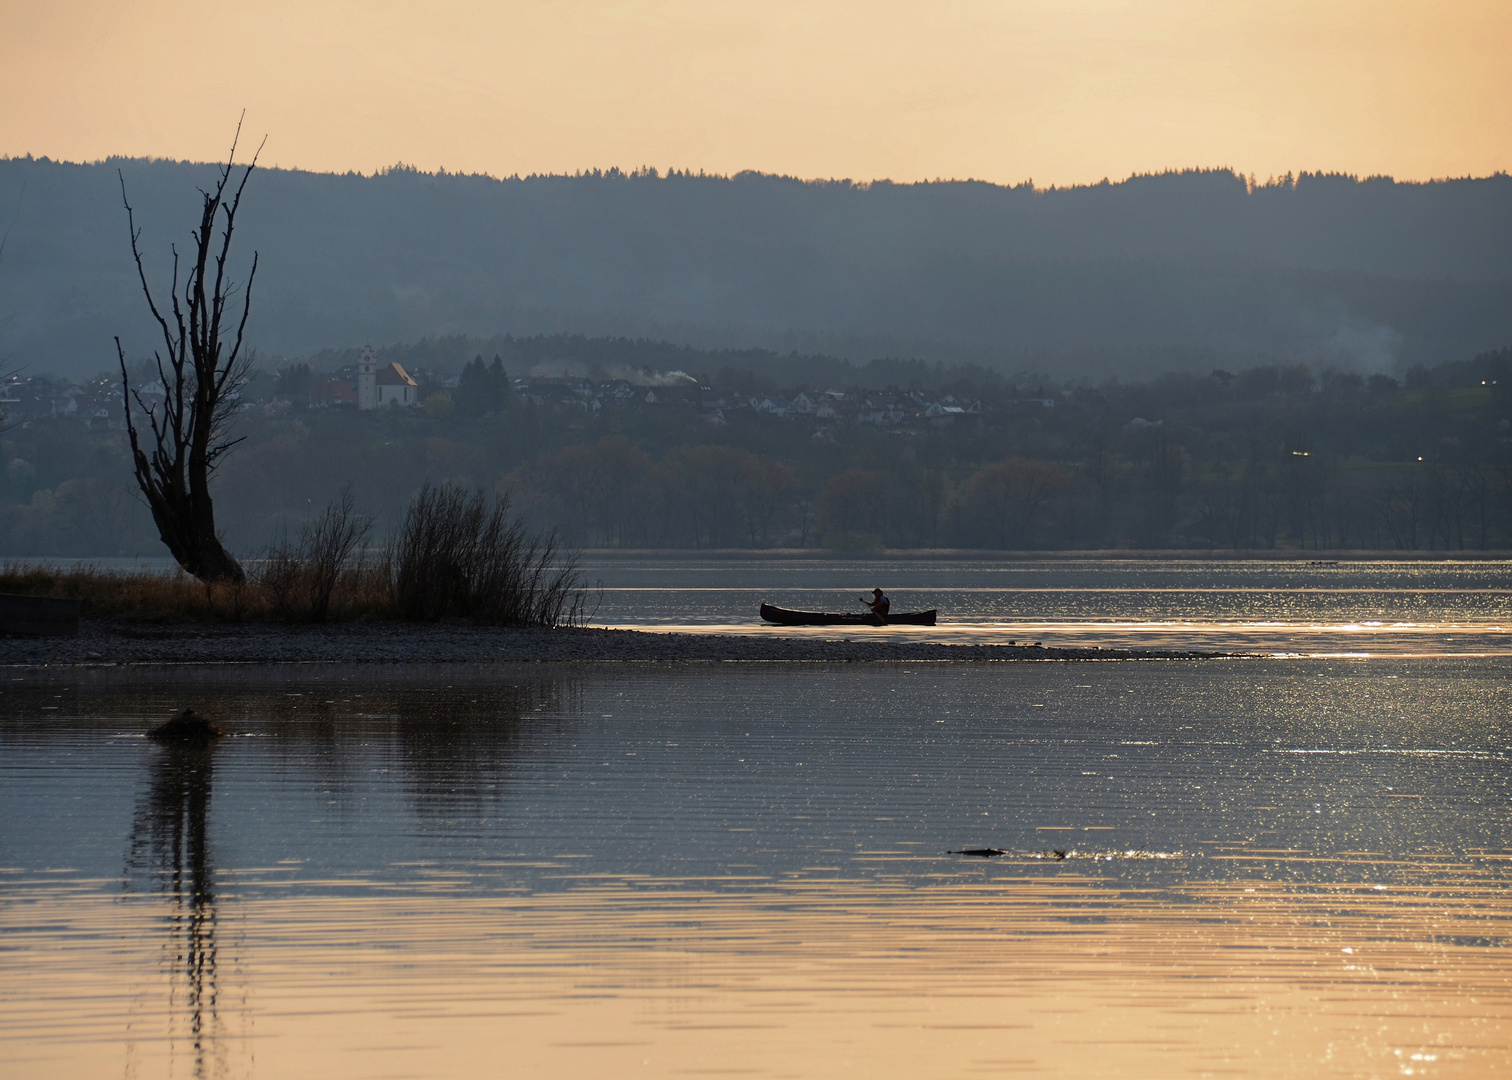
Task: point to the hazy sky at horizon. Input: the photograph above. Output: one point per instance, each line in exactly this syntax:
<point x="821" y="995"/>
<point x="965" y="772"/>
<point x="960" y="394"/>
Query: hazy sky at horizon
<point x="1061" y="91"/>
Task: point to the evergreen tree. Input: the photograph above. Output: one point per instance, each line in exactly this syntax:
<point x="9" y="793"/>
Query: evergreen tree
<point x="499" y="384"/>
<point x="483" y="389"/>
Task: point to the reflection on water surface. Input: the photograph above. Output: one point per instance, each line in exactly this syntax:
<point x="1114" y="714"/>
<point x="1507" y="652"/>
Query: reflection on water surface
<point x="1298" y="607"/>
<point x="170" y="848"/>
<point x="1273" y="868"/>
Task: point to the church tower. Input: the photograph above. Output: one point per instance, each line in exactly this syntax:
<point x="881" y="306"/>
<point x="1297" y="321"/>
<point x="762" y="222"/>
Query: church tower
<point x="367" y="379"/>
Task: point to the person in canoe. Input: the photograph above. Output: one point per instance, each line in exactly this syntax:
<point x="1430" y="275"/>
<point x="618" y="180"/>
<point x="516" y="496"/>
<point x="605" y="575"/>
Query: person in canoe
<point x="879" y="604"/>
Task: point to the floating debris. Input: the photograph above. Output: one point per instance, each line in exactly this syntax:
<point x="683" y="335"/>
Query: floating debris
<point x="992" y="853"/>
<point x="1062" y="854"/>
<point x="187" y="727"/>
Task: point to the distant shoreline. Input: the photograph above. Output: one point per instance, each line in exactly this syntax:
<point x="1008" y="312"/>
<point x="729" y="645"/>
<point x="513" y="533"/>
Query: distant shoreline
<point x="589" y="555"/>
<point x="106" y="644"/>
<point x="1273" y="555"/>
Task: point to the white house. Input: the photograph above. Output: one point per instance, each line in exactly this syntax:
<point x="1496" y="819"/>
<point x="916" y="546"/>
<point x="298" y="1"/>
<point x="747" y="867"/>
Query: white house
<point x="389" y="384"/>
<point x="941" y="415"/>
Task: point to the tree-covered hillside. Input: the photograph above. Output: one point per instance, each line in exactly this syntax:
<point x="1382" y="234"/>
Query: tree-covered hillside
<point x="1189" y="270"/>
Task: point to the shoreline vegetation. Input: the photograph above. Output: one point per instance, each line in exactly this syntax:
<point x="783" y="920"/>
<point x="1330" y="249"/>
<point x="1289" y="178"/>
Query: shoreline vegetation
<point x="456" y="555"/>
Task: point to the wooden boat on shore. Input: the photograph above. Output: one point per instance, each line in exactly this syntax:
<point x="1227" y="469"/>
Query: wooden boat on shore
<point x="788" y="617"/>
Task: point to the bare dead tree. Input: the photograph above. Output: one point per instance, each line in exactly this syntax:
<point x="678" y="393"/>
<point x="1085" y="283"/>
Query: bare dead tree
<point x="203" y="367"/>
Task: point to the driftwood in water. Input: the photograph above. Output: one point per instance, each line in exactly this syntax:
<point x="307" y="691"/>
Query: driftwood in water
<point x="992" y="853"/>
<point x="187" y="727"/>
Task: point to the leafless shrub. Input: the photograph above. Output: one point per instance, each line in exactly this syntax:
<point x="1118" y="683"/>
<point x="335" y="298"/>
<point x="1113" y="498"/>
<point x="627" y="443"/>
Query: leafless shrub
<point x="458" y="557"/>
<point x="302" y="580"/>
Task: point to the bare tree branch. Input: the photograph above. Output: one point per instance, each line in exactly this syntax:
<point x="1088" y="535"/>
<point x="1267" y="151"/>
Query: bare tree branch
<point x="199" y="381"/>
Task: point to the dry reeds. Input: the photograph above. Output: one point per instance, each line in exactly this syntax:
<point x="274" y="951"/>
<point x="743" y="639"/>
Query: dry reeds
<point x="302" y="580"/>
<point x="140" y="596"/>
<point x="455" y="556"/>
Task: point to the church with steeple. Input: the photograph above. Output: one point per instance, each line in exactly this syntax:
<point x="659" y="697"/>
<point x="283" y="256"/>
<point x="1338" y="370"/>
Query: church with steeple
<point x="383" y="384"/>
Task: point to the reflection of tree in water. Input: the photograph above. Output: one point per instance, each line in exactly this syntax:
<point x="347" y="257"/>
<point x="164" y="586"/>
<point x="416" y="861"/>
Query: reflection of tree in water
<point x="455" y="746"/>
<point x="170" y="848"/>
<point x="458" y="749"/>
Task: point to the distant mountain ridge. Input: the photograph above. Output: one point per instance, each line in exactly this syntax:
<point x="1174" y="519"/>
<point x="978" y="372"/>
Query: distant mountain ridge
<point x="1193" y="269"/>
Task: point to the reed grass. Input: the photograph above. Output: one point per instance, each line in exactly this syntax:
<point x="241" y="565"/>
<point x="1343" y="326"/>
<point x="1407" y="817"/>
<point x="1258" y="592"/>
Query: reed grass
<point x="145" y="596"/>
<point x="456" y="556"/>
<point x="326" y="567"/>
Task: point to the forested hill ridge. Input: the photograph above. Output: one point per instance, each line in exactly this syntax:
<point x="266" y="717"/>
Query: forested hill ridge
<point x="1190" y="270"/>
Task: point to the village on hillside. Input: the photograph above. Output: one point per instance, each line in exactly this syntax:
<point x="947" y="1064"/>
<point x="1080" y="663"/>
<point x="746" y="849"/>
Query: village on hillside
<point x="371" y="385"/>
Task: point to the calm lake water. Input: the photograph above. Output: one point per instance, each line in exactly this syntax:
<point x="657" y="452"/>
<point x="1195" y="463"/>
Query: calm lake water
<point x="1273" y="866"/>
<point x="1308" y="608"/>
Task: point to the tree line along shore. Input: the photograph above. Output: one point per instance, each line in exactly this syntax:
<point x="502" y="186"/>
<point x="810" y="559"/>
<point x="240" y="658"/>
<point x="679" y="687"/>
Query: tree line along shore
<point x="1269" y="458"/>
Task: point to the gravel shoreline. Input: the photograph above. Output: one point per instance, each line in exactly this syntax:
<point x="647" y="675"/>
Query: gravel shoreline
<point x="109" y="644"/>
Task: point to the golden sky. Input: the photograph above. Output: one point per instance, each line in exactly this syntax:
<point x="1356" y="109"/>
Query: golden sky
<point x="1061" y="91"/>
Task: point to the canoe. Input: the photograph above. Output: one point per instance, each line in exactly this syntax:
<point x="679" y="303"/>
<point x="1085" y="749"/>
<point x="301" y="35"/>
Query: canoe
<point x="788" y="617"/>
